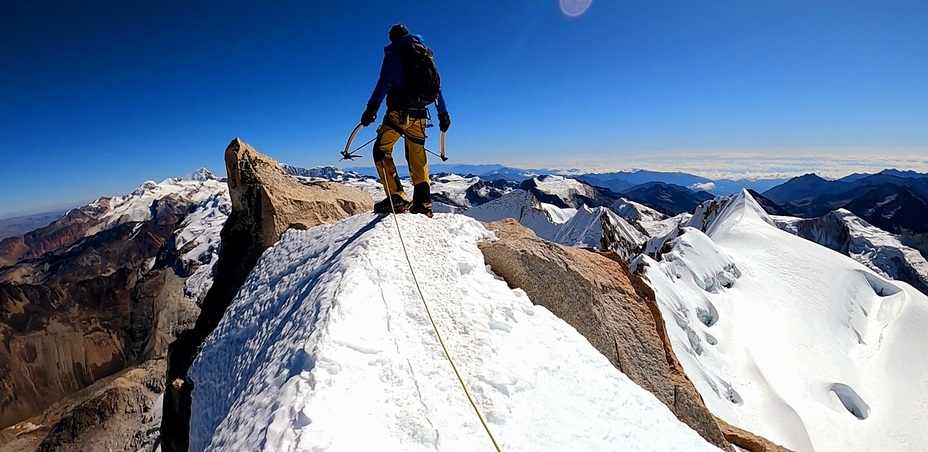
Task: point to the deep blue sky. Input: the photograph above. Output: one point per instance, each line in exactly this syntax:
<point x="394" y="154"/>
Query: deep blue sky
<point x="98" y="96"/>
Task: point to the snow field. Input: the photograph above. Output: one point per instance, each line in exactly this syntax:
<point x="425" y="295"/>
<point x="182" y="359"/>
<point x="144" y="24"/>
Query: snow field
<point x="453" y="186"/>
<point x="881" y="251"/>
<point x="805" y="346"/>
<point x="327" y="347"/>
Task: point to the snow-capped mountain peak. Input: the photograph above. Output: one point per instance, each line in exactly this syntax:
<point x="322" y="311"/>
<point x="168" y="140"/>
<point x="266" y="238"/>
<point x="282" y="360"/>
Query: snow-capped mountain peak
<point x="563" y="187"/>
<point x="716" y="215"/>
<point x="635" y="211"/>
<point x="331" y="173"/>
<point x="600" y="228"/>
<point x="200" y="175"/>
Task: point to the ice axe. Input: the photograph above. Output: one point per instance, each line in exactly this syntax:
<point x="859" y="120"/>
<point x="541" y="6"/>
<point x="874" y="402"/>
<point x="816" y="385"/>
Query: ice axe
<point x="346" y="155"/>
<point x="442" y="156"/>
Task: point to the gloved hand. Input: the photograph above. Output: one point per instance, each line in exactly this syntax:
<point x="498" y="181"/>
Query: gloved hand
<point x="444" y="122"/>
<point x="369" y="115"/>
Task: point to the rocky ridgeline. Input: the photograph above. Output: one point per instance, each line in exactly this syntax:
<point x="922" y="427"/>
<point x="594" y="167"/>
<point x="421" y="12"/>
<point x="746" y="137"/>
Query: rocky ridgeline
<point x="266" y="202"/>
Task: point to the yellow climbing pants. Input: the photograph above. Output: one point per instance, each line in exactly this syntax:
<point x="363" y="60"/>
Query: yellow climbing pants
<point x="394" y="126"/>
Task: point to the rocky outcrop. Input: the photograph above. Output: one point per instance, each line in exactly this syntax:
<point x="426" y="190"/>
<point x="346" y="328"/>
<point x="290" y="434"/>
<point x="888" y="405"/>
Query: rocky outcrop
<point x="613" y="309"/>
<point x="266" y="201"/>
<point x="746" y="440"/>
<point x="113" y="412"/>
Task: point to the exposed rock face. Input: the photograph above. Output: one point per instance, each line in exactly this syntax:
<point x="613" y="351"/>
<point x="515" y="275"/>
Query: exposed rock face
<point x="71" y="317"/>
<point x="613" y="309"/>
<point x="94" y="294"/>
<point x="72" y="227"/>
<point x="266" y="201"/>
<point x="110" y="414"/>
<point x="105" y="416"/>
<point x="917" y="241"/>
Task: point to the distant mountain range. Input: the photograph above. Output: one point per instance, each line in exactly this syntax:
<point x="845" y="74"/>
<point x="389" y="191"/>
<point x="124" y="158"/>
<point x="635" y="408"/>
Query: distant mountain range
<point x="615" y="181"/>
<point x="12" y="227"/>
<point x="892" y="200"/>
<point x="895" y="201"/>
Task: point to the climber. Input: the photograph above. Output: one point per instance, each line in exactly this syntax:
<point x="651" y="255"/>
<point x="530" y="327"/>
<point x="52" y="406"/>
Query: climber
<point x="410" y="82"/>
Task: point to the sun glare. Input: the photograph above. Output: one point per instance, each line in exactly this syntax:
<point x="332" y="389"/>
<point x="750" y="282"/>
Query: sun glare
<point x="575" y="8"/>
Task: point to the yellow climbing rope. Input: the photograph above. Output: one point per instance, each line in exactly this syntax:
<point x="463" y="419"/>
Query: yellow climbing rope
<point x="435" y="327"/>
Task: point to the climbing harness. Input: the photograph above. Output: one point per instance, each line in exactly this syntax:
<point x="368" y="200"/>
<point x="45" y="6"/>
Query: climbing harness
<point x="429" y="313"/>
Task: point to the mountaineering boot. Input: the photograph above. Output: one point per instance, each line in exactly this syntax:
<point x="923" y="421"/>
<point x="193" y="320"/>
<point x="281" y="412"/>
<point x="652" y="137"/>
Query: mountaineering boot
<point x="421" y="208"/>
<point x="400" y="205"/>
<point x="421" y="199"/>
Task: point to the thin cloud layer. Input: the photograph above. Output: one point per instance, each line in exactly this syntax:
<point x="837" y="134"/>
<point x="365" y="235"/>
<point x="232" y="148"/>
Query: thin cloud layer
<point x="742" y="165"/>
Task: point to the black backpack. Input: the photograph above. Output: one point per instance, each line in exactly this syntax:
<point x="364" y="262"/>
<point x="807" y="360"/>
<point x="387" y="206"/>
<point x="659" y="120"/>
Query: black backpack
<point x="421" y="81"/>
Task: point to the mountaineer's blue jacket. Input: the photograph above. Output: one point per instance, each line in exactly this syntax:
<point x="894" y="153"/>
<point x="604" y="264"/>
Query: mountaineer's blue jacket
<point x="391" y="75"/>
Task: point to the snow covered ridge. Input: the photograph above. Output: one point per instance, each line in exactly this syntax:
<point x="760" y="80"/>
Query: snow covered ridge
<point x="600" y="228"/>
<point x="330" y="173"/>
<point x="791" y="340"/>
<point x="522" y="206"/>
<point x="327" y="347"/>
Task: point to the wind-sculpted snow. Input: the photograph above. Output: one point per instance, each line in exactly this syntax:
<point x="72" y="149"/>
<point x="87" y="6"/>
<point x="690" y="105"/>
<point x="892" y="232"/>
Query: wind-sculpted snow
<point x="697" y="255"/>
<point x="327" y="347"/>
<point x="879" y="250"/>
<point x="807" y="347"/>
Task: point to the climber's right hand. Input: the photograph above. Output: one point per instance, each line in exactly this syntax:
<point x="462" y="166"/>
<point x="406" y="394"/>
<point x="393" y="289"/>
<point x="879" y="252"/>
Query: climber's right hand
<point x="369" y="115"/>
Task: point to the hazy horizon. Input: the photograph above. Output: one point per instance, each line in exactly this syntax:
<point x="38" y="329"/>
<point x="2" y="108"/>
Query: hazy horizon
<point x="714" y="166"/>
